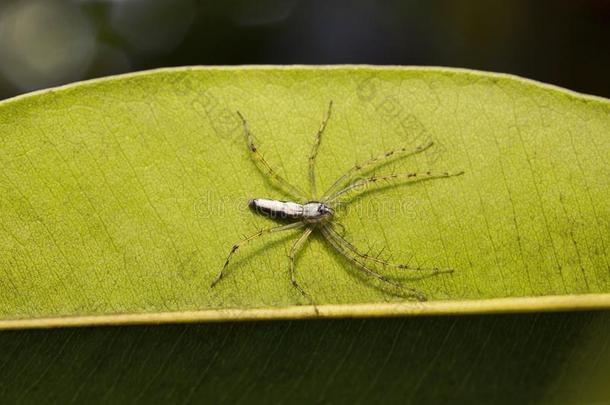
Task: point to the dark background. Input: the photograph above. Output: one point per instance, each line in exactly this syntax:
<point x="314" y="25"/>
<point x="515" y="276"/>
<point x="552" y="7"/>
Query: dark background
<point x="45" y="43"/>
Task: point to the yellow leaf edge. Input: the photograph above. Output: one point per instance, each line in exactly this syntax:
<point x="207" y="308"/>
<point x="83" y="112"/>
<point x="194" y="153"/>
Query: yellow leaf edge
<point x="438" y="69"/>
<point x="550" y="303"/>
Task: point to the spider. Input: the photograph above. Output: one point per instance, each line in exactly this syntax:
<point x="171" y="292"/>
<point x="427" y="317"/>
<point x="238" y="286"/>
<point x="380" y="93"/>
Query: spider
<point x="318" y="213"/>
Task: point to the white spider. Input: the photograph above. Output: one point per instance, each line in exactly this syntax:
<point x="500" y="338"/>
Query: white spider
<point x="318" y="213"/>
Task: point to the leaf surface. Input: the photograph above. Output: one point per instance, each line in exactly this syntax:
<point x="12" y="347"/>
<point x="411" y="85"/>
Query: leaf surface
<point x="123" y="196"/>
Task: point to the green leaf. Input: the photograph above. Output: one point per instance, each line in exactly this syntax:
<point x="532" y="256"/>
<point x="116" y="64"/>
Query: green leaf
<point x="121" y="197"/>
<point x="549" y="358"/>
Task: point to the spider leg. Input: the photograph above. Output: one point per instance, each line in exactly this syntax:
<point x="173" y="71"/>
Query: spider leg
<point x="340" y="239"/>
<point x="402" y="153"/>
<point x="376" y="180"/>
<point x="364" y="268"/>
<point x="264" y="166"/>
<point x="314" y="152"/>
<point x="295" y="247"/>
<point x="249" y="239"/>
<point x="340" y="225"/>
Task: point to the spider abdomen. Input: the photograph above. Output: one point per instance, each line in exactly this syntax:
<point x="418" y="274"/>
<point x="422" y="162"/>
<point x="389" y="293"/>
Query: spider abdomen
<point x="288" y="209"/>
<point x="277" y="209"/>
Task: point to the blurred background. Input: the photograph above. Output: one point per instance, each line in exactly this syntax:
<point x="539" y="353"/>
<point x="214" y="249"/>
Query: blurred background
<point x="45" y="43"/>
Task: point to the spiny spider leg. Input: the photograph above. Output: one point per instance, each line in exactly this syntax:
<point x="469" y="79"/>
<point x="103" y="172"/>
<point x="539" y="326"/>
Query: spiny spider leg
<point x="314" y="152"/>
<point x="293" y="251"/>
<point x="247" y="239"/>
<point x="375" y="259"/>
<point x="340" y="225"/>
<point x="261" y="163"/>
<point x="372" y="162"/>
<point x="414" y="177"/>
<point x="364" y="268"/>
